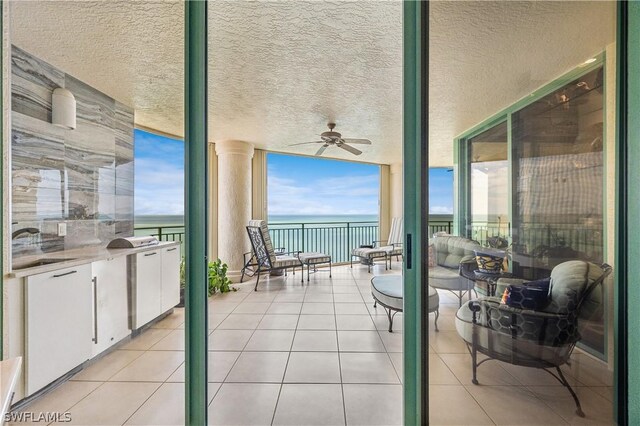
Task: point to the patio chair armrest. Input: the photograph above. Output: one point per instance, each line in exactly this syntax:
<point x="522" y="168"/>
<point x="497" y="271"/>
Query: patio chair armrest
<point x="279" y="250"/>
<point x="377" y="242"/>
<point x="292" y="253"/>
<point x="467" y="267"/>
<point x="468" y="258"/>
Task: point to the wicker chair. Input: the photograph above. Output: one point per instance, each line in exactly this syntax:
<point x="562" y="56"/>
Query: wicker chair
<point x="543" y="338"/>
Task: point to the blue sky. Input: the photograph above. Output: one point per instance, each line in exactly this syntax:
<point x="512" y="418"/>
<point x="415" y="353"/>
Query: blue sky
<point x="440" y="191"/>
<point x="297" y="185"/>
<point x="159" y="175"/>
<point x="315" y="186"/>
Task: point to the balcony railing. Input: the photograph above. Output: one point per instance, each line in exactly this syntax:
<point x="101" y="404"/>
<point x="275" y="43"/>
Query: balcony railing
<point x="333" y="238"/>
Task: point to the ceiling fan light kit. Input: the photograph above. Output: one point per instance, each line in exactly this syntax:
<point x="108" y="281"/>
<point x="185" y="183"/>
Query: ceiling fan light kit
<point x="332" y="138"/>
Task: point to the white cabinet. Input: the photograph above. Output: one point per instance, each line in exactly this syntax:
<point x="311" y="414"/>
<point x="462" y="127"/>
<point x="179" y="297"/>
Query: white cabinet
<point x="110" y="305"/>
<point x="146" y="267"/>
<point x="170" y="278"/>
<point x="59" y="324"/>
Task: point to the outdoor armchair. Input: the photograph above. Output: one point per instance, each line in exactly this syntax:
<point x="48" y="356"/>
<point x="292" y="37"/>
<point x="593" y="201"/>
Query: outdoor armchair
<point x="386" y="249"/>
<point x="263" y="258"/>
<point x="541" y="338"/>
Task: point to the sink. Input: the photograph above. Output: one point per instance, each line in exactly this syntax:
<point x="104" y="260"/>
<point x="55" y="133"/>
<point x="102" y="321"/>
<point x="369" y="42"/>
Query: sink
<point x="41" y="262"/>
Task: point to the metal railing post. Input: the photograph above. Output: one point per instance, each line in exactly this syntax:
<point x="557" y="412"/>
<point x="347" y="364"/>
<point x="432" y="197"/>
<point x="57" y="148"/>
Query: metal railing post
<point x="160" y="233"/>
<point x="348" y="239"/>
<point x="303" y="238"/>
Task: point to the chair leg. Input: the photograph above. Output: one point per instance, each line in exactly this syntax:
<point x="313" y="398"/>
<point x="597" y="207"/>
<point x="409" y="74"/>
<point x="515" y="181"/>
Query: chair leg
<point x="474" y="350"/>
<point x="257" y="281"/>
<point x="242" y="276"/>
<point x="329" y="269"/>
<point x="390" y="319"/>
<point x="566" y="384"/>
<point x="435" y="322"/>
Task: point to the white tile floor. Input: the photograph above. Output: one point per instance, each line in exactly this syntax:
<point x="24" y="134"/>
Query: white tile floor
<point x="317" y="354"/>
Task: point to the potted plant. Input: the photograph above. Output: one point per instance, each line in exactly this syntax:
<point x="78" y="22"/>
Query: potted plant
<point x="218" y="281"/>
<point x="216" y="277"/>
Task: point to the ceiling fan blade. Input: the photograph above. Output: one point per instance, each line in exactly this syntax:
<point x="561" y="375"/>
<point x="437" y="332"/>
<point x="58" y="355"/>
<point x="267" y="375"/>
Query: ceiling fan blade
<point x="360" y="141"/>
<point x="304" y="143"/>
<point x="321" y="150"/>
<point x="350" y="149"/>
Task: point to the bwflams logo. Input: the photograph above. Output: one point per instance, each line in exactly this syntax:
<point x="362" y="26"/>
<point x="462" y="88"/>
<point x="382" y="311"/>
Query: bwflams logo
<point x="31" y="417"/>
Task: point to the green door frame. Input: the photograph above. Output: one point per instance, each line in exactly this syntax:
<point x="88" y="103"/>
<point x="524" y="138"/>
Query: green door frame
<point x="196" y="196"/>
<point x="416" y="163"/>
<point x="2" y="142"/>
<point x="627" y="295"/>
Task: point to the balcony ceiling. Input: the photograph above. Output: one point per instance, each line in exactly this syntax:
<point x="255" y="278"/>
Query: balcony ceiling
<point x="279" y="71"/>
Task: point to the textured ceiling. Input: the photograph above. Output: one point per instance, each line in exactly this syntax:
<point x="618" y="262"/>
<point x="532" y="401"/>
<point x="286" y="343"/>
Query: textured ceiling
<point x="280" y="70"/>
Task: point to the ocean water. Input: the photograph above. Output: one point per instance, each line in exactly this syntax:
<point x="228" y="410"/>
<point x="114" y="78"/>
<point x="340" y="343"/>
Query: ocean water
<point x="178" y="220"/>
<point x="320" y="233"/>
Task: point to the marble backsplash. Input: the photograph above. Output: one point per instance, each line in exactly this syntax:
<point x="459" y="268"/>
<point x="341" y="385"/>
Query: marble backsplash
<point x="82" y="177"/>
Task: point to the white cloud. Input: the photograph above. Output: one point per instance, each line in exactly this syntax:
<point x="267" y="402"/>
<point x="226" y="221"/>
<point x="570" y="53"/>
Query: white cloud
<point x="159" y="187"/>
<point x="440" y="210"/>
<point x="323" y="196"/>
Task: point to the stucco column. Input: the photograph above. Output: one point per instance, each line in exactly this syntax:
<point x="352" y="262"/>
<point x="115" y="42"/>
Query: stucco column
<point x="234" y="202"/>
<point x="397" y="190"/>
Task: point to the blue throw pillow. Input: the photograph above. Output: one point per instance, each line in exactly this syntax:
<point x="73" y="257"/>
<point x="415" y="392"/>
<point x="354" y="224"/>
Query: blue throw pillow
<point x="533" y="295"/>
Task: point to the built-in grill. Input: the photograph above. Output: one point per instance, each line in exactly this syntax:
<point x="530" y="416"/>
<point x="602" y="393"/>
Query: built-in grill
<point x="133" y="242"/>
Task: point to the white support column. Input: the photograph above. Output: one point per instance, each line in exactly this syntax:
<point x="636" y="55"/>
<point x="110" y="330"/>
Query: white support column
<point x="234" y="202"/>
<point x="212" y="243"/>
<point x="259" y="185"/>
<point x="397" y="190"/>
<point x="384" y="212"/>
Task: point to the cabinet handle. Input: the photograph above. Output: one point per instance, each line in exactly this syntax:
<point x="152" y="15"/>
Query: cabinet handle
<point x="95" y="310"/>
<point x="173" y="249"/>
<point x="151" y="254"/>
<point x="66" y="273"/>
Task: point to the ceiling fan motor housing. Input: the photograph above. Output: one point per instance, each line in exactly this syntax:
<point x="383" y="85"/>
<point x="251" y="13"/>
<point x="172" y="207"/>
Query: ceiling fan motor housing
<point x="331" y="135"/>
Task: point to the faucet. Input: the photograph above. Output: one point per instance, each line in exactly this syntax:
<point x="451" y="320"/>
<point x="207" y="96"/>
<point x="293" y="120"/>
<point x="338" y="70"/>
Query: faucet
<point x="21" y="231"/>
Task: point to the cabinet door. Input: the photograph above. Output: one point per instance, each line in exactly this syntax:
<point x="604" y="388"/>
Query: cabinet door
<point x="148" y="287"/>
<point x="170" y="277"/>
<point x="58" y="324"/>
<point x="111" y="311"/>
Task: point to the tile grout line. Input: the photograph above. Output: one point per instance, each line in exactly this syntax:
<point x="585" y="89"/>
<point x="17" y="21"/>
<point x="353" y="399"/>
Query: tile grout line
<point x="335" y="318"/>
<point x="284" y="373"/>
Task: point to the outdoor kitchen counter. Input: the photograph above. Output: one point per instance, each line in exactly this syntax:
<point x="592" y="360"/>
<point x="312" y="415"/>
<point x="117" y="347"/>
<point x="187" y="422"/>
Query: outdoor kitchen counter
<point x="79" y="256"/>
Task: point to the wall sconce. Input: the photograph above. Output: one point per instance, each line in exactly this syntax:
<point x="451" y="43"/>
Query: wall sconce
<point x="63" y="108"/>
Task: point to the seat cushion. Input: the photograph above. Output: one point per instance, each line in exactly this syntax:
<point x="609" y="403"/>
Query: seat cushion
<point x="314" y="258"/>
<point x="387" y="289"/>
<point x="391" y="250"/>
<point x="264" y="229"/>
<point x="501" y="345"/>
<point x="447" y="278"/>
<point x="285" y="261"/>
<point x="451" y="250"/>
<point x="568" y="282"/>
<point x="368" y="253"/>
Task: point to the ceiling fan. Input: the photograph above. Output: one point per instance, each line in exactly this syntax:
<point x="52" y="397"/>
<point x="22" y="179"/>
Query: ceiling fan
<point x="334" y="138"/>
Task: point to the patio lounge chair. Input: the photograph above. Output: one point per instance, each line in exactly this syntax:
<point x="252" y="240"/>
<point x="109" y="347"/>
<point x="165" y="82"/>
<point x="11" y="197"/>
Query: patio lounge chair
<point x="528" y="335"/>
<point x="392" y="247"/>
<point x="263" y="258"/>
